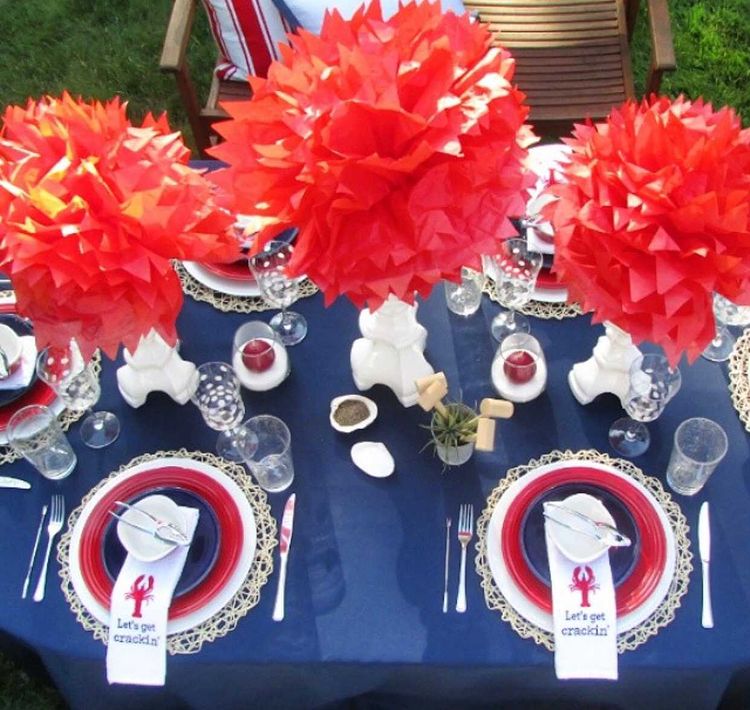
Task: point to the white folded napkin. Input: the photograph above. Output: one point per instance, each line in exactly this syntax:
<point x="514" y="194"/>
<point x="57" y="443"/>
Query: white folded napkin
<point x="584" y="614"/>
<point x="137" y="650"/>
<point x="22" y="376"/>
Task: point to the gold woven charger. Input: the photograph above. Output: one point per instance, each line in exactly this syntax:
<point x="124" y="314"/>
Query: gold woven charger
<point x="627" y="640"/>
<point x="247" y="596"/>
<point x="228" y="303"/>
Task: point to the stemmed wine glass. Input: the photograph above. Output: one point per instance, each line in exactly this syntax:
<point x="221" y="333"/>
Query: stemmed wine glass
<point x="653" y="382"/>
<point x="514" y="269"/>
<point x="725" y="313"/>
<point x="219" y="399"/>
<point x="75" y="382"/>
<point x="269" y="269"/>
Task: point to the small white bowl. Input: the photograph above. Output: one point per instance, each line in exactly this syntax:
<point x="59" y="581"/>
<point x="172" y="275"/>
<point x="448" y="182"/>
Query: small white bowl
<point x="577" y="546"/>
<point x="346" y="428"/>
<point x="142" y="545"/>
<point x="12" y="346"/>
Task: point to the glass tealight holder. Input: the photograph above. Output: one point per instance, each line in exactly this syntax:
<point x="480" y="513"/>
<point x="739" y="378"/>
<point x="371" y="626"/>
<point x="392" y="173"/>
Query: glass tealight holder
<point x="519" y="369"/>
<point x="259" y="358"/>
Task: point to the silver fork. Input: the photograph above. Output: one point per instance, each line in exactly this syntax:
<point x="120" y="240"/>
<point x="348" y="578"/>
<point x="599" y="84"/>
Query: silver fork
<point x="56" y="517"/>
<point x="465" y="531"/>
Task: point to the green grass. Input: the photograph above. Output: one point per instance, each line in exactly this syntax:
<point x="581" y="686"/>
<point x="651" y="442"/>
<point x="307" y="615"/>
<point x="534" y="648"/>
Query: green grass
<point x="18" y="691"/>
<point x="712" y="47"/>
<point x="99" y="48"/>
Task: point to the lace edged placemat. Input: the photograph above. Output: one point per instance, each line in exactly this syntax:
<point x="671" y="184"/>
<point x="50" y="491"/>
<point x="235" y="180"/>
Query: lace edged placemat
<point x="537" y="309"/>
<point x="66" y="417"/>
<point x="739" y="377"/>
<point x="248" y="596"/>
<point x="627" y="640"/>
<point x="226" y="302"/>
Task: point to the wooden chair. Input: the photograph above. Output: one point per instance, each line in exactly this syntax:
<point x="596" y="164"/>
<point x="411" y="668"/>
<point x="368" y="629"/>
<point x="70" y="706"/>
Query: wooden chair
<point x="573" y="58"/>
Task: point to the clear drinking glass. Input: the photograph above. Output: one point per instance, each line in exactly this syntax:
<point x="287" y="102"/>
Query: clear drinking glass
<point x="725" y="313"/>
<point x="464" y="298"/>
<point x="218" y="397"/>
<point x="699" y="445"/>
<point x="269" y="270"/>
<point x="652" y="384"/>
<point x="35" y="433"/>
<point x="75" y="382"/>
<point x="514" y="269"/>
<point x="271" y="464"/>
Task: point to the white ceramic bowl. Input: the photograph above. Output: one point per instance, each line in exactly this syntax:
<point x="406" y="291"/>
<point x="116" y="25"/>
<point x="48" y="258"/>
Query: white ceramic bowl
<point x="371" y="407"/>
<point x="577" y="546"/>
<point x="142" y="545"/>
<point x="11" y="344"/>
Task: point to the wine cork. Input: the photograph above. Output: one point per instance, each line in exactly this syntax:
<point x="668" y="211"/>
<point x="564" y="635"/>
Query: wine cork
<point x="424" y="382"/>
<point x="496" y="408"/>
<point x="432" y="395"/>
<point x="485" y="440"/>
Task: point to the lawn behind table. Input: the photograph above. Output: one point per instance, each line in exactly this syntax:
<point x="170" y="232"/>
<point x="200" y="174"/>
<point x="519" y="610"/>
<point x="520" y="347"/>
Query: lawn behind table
<point x="99" y="48"/>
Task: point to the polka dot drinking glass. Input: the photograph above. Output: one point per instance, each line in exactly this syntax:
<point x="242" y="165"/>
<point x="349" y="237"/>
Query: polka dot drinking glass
<point x="219" y="399"/>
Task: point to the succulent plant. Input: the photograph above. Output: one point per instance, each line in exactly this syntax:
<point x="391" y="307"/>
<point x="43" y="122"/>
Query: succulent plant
<point x="455" y="427"/>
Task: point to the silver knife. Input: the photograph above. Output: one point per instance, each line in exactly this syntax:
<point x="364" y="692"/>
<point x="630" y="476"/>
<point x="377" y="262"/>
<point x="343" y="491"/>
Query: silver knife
<point x="285" y="540"/>
<point x="9" y="482"/>
<point x="704" y="548"/>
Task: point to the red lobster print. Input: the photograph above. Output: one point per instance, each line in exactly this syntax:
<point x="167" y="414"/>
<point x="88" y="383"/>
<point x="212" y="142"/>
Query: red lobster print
<point x="140" y="593"/>
<point x="584" y="582"/>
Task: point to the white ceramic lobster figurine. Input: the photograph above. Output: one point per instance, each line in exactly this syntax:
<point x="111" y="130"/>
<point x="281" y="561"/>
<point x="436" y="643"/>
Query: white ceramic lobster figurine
<point x="155" y="366"/>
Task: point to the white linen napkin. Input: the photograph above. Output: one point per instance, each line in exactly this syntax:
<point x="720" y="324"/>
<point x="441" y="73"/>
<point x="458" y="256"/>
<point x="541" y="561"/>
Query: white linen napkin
<point x="22" y="376"/>
<point x="584" y="614"/>
<point x="137" y="650"/>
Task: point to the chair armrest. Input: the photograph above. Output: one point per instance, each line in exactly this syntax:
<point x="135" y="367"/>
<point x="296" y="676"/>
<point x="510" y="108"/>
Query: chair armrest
<point x="174" y="60"/>
<point x="662" y="47"/>
<point x="177" y="36"/>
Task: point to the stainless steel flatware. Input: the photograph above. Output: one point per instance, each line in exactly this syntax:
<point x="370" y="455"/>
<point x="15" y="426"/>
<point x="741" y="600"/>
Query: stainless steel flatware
<point x="604" y="532"/>
<point x="704" y="548"/>
<point x="447" y="557"/>
<point x="10" y="482"/>
<point x="56" y="517"/>
<point x="285" y="540"/>
<point x="27" y="581"/>
<point x="465" y="531"/>
<point x="161" y="532"/>
<point x="175" y="534"/>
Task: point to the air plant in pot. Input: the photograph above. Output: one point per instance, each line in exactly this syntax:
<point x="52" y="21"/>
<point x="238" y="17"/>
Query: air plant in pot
<point x="454" y="432"/>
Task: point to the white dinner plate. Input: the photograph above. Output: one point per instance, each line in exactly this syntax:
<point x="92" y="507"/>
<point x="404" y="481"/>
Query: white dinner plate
<point x="232" y="287"/>
<point x="224" y="595"/>
<point x="525" y="606"/>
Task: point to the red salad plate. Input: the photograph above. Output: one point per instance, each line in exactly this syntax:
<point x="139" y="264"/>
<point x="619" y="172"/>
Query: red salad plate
<point x="91" y="553"/>
<point x="640" y="584"/>
<point x="235" y="271"/>
<point x="547" y="280"/>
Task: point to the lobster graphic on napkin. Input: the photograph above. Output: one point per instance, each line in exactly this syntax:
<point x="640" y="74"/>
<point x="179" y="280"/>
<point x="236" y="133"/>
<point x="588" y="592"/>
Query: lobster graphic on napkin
<point x="140" y="592"/>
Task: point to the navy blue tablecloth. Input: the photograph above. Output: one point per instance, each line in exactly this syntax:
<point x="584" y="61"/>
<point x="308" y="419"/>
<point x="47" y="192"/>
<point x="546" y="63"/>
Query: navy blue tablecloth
<point x="364" y="590"/>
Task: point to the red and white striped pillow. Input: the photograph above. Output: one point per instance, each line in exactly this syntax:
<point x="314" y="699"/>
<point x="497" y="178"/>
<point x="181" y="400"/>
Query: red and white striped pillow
<point x="248" y="33"/>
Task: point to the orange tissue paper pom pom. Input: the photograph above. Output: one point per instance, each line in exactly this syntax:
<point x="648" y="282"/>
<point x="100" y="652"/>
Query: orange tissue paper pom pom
<point x="396" y="146"/>
<point x="92" y="210"/>
<point x="653" y="217"/>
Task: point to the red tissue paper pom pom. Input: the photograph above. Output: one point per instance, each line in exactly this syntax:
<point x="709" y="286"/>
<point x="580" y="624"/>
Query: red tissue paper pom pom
<point x="653" y="217"/>
<point x="92" y="210"/>
<point x="395" y="146"/>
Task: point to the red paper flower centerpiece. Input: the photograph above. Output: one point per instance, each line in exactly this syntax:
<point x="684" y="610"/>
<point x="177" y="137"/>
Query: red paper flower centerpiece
<point x="653" y="217"/>
<point x="395" y="146"/>
<point x="92" y="210"/>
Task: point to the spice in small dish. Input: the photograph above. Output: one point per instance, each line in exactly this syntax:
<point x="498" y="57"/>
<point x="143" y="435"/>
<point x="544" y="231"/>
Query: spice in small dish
<point x="352" y="412"/>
